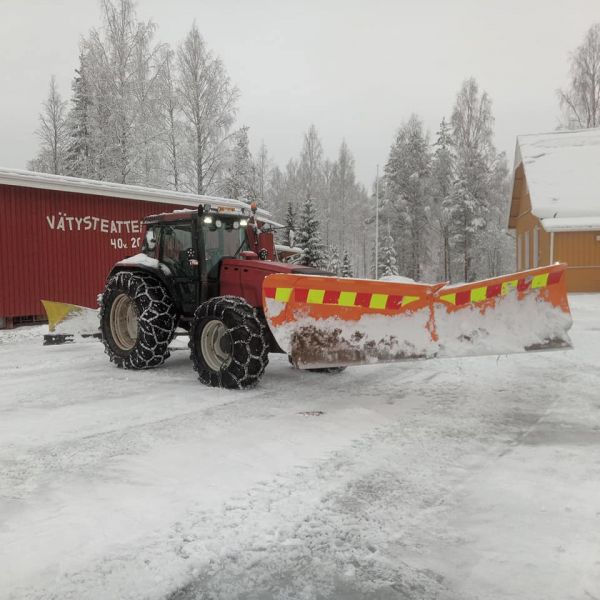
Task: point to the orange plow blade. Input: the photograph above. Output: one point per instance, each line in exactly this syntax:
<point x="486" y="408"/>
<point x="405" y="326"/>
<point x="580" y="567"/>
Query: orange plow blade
<point x="327" y="321"/>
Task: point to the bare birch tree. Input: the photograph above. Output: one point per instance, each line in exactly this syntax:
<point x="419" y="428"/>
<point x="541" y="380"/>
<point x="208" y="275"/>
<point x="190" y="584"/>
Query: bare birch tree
<point x="208" y="101"/>
<point x="580" y="102"/>
<point x="123" y="73"/>
<point x="52" y="133"/>
<point x="173" y="131"/>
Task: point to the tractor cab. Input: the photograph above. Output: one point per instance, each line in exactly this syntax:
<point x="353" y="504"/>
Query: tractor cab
<point x="200" y="254"/>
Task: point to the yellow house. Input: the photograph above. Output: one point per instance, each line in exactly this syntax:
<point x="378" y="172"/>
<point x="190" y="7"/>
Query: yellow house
<point x="555" y="207"/>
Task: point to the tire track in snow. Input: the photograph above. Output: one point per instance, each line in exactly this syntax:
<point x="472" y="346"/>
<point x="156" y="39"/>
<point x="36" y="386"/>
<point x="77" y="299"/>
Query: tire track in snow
<point x="340" y="528"/>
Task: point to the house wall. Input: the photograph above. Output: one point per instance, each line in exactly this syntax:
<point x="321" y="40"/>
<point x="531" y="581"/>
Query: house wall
<point x="529" y="229"/>
<point x="580" y="250"/>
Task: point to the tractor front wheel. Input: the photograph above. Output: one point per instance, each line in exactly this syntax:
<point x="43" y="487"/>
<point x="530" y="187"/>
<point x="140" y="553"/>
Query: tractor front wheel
<point x="137" y="320"/>
<point x="228" y="343"/>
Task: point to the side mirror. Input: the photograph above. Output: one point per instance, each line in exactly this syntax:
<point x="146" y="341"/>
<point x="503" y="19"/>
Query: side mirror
<point x="249" y="255"/>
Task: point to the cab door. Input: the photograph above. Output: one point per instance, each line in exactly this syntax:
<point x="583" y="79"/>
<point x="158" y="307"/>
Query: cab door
<point x="179" y="254"/>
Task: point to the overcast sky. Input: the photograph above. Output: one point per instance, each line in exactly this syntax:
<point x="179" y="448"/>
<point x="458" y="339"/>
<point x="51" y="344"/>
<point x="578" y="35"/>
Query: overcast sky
<point x="356" y="69"/>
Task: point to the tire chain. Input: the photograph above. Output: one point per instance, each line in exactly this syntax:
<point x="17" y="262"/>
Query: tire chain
<point x="247" y="336"/>
<point x="156" y="321"/>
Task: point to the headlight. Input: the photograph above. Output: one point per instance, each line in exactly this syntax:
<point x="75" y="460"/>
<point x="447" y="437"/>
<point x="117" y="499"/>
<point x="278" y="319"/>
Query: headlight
<point x="236" y="224"/>
<point x="218" y="223"/>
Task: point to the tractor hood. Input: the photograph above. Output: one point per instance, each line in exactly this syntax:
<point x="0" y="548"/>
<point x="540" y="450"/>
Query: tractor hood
<point x="244" y="277"/>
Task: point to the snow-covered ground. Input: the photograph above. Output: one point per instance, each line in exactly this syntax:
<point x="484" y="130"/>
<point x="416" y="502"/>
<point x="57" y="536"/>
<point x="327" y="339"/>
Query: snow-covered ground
<point x="455" y="478"/>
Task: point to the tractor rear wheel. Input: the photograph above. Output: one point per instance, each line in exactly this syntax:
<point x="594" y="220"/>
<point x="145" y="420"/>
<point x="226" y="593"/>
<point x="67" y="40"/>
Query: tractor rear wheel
<point x="137" y="320"/>
<point x="228" y="344"/>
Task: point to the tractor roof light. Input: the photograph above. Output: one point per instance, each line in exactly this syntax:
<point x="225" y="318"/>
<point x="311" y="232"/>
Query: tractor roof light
<point x="208" y="220"/>
<point x="243" y="222"/>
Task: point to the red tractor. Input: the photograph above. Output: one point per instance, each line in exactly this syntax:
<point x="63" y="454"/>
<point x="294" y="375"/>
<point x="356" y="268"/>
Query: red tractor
<point x="212" y="272"/>
<point x="201" y="270"/>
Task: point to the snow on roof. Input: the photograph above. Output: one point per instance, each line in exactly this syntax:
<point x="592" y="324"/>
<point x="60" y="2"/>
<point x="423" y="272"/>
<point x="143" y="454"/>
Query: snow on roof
<point x="562" y="169"/>
<point x="572" y="224"/>
<point x="63" y="183"/>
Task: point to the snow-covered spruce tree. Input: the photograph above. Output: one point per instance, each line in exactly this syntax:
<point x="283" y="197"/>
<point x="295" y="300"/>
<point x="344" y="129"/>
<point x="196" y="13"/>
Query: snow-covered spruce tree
<point x="440" y="182"/>
<point x="208" y="101"/>
<point x="388" y="264"/>
<point x="346" y="270"/>
<point x="343" y="189"/>
<point x="290" y="231"/>
<point x="80" y="152"/>
<point x="580" y="102"/>
<point x="262" y="172"/>
<point x="497" y="247"/>
<point x="285" y="190"/>
<point x="52" y="133"/>
<point x="333" y="264"/>
<point x="480" y="174"/>
<point x="406" y="173"/>
<point x="275" y="199"/>
<point x="239" y="174"/>
<point x="311" y="165"/>
<point x="309" y="236"/>
<point x="465" y="212"/>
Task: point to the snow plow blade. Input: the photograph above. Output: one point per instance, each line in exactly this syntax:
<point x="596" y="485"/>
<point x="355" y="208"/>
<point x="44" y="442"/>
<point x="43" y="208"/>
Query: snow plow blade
<point x="65" y="321"/>
<point x="327" y="321"/>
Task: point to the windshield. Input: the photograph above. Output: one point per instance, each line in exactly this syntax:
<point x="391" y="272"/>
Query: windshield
<point x="222" y="237"/>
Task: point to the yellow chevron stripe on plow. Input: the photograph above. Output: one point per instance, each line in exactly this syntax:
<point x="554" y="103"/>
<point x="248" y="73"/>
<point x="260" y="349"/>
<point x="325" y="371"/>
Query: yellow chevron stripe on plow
<point x="283" y="294"/>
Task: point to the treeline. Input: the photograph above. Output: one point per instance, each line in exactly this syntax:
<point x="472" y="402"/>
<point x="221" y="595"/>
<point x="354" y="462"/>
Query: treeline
<point x="445" y="204"/>
<point x="143" y="113"/>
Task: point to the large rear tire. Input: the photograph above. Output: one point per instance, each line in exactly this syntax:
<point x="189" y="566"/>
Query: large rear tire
<point x="137" y="320"/>
<point x="228" y="343"/>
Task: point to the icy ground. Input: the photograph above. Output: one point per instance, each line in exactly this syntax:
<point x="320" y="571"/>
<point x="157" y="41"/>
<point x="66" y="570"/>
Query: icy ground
<point x="452" y="479"/>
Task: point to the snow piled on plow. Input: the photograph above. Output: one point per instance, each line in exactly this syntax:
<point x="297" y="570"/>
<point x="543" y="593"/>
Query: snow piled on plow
<point x="511" y="326"/>
<point x="78" y="322"/>
<point x="375" y="338"/>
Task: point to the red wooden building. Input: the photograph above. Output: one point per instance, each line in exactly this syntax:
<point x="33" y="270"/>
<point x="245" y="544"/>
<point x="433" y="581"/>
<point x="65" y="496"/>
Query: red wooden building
<point x="59" y="236"/>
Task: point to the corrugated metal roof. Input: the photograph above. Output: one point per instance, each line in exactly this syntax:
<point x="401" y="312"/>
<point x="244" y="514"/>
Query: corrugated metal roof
<point x="63" y="183"/>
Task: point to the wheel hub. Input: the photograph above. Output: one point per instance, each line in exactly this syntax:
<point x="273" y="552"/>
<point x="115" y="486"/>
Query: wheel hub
<point x="124" y="322"/>
<point x="215" y="345"/>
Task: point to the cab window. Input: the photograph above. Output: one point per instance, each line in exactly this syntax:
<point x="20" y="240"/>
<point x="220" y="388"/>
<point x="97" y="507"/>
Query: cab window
<point x="222" y="237"/>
